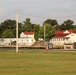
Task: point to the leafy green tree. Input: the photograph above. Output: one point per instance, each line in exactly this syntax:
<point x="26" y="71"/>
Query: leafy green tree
<point x="68" y="22"/>
<point x="74" y="28"/>
<point x="7" y="34"/>
<point x="49" y="32"/>
<point x="11" y="25"/>
<point x="36" y="31"/>
<point x="51" y="22"/>
<point x="8" y="24"/>
<point x="27" y="25"/>
<point x="1" y="31"/>
<point x="66" y="25"/>
<point x="57" y="27"/>
<point x="20" y="29"/>
<point x="41" y="32"/>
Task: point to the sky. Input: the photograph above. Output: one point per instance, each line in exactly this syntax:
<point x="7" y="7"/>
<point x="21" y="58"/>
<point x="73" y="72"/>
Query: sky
<point x="38" y="10"/>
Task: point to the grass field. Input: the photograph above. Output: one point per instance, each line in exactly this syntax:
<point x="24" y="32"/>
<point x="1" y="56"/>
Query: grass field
<point x="37" y="63"/>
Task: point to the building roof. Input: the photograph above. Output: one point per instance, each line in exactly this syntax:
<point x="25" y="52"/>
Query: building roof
<point x="71" y="31"/>
<point x="58" y="32"/>
<point x="28" y="33"/>
<point x="63" y="33"/>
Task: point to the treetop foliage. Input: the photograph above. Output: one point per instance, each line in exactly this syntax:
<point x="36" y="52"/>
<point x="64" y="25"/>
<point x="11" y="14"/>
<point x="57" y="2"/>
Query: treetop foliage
<point x="9" y="26"/>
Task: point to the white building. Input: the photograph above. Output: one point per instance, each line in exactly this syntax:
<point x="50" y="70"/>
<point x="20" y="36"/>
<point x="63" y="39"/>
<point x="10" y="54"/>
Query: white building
<point x="26" y="38"/>
<point x="71" y="38"/>
<point x="63" y="37"/>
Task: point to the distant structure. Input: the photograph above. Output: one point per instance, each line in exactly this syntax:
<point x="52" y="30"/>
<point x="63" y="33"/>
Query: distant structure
<point x="64" y="39"/>
<point x="26" y="39"/>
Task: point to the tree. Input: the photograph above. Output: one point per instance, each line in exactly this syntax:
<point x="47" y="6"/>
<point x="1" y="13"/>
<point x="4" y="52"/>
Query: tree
<point x="49" y="32"/>
<point x="51" y="22"/>
<point x="11" y="25"/>
<point x="14" y="32"/>
<point x="66" y="25"/>
<point x="74" y="28"/>
<point x="27" y="25"/>
<point x="1" y="31"/>
<point x="36" y="31"/>
<point x="57" y="27"/>
<point x="8" y="24"/>
<point x="7" y="34"/>
<point x="68" y="22"/>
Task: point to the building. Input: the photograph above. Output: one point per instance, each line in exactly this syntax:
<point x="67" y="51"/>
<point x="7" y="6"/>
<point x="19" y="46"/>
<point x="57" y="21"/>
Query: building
<point x="69" y="41"/>
<point x="61" y="37"/>
<point x="26" y="39"/>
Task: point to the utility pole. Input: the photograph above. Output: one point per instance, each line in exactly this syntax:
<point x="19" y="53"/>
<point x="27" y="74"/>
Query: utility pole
<point x="44" y="32"/>
<point x="17" y="31"/>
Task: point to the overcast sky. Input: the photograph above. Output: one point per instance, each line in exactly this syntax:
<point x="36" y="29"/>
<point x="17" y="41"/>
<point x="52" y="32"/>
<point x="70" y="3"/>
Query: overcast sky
<point x="38" y="10"/>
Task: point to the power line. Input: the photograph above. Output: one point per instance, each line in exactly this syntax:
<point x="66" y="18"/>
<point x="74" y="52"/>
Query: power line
<point x="6" y="16"/>
<point x="32" y="15"/>
<point x="66" y="16"/>
<point x="46" y="17"/>
<point x="37" y="16"/>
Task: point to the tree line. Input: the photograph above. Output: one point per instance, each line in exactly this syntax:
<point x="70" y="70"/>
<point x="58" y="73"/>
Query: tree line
<point x="8" y="28"/>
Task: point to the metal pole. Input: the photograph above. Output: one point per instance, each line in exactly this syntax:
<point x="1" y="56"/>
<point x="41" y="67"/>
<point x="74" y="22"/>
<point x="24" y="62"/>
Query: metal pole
<point x="44" y="32"/>
<point x="17" y="31"/>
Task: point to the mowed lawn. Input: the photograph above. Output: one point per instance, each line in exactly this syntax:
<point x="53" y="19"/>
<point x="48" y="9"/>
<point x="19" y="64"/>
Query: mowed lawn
<point x="37" y="63"/>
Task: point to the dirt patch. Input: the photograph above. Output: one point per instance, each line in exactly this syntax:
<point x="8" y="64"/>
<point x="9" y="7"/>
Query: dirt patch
<point x="39" y="44"/>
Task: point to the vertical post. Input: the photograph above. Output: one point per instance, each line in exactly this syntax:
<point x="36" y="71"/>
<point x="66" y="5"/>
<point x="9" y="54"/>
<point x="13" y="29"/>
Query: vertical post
<point x="16" y="31"/>
<point x="44" y="32"/>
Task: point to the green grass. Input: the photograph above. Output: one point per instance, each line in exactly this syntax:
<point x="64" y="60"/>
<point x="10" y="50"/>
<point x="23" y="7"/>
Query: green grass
<point x="37" y="63"/>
